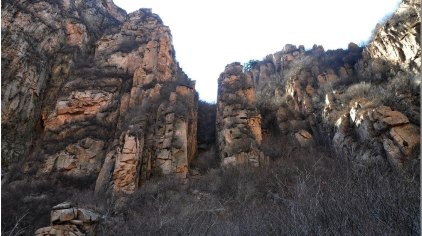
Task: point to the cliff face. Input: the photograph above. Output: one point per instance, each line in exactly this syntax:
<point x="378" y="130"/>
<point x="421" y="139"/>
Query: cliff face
<point x="397" y="40"/>
<point x="238" y="121"/>
<point x="362" y="101"/>
<point x="34" y="66"/>
<point x="93" y="99"/>
<point x="101" y="97"/>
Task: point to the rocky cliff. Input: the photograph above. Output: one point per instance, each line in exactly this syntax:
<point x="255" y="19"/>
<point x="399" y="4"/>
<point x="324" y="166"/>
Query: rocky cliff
<point x="102" y="97"/>
<point x="35" y="66"/>
<point x="396" y="40"/>
<point x="364" y="102"/>
<point x="238" y="121"/>
<point x="93" y="100"/>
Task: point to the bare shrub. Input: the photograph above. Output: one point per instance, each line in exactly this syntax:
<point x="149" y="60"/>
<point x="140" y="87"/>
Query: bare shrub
<point x="26" y="205"/>
<point x="362" y="89"/>
<point x="401" y="93"/>
<point x="206" y="160"/>
<point x="266" y="91"/>
<point x="296" y="66"/>
<point x="304" y="192"/>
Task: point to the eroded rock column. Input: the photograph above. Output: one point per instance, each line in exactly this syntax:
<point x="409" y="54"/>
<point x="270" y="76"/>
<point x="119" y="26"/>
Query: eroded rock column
<point x="238" y="121"/>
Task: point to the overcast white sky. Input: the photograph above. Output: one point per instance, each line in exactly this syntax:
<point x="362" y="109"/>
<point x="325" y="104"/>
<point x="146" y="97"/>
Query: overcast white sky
<point x="208" y="35"/>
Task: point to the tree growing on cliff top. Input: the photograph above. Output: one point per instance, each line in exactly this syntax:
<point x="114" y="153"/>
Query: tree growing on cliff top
<point x="248" y="66"/>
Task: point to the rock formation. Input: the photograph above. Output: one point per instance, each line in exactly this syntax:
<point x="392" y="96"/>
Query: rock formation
<point x="362" y="101"/>
<point x="68" y="220"/>
<point x="395" y="41"/>
<point x="93" y="100"/>
<point x="35" y="66"/>
<point x="238" y="121"/>
<point x="101" y="97"/>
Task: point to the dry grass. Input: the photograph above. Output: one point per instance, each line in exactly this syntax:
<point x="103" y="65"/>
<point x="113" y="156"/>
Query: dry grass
<point x="303" y="192"/>
<point x="26" y="205"/>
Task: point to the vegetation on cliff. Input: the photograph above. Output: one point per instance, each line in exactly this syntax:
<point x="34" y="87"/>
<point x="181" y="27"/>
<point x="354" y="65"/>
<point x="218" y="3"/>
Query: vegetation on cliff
<point x="305" y="142"/>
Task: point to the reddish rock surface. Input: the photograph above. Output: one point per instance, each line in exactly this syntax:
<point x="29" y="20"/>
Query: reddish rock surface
<point x="238" y="121"/>
<point x="102" y="92"/>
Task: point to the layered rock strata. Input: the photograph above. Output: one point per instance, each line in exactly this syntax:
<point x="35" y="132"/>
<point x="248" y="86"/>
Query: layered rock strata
<point x="68" y="220"/>
<point x="396" y="40"/>
<point x="238" y="121"/>
<point x="42" y="41"/>
<point x="102" y="97"/>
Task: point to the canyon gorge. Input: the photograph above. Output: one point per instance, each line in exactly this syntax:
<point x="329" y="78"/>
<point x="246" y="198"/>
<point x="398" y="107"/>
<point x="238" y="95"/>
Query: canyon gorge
<point x="94" y="100"/>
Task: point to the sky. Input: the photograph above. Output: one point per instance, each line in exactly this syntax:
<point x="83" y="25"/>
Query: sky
<point x="208" y="35"/>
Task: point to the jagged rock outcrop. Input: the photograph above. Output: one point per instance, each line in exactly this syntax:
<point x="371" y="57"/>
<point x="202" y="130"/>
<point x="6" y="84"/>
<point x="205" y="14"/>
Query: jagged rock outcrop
<point x="383" y="130"/>
<point x="238" y="121"/>
<point x="68" y="220"/>
<point x="287" y="93"/>
<point x="363" y="101"/>
<point x="40" y="41"/>
<point x="392" y="60"/>
<point x="396" y="40"/>
<point x="101" y="97"/>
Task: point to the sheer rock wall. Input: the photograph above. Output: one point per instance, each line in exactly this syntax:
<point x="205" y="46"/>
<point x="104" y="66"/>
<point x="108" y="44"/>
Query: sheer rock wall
<point x="101" y="97"/>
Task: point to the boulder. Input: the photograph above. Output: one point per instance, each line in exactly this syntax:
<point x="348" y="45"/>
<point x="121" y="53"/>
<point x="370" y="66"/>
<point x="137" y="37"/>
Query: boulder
<point x="386" y="117"/>
<point x="64" y="205"/>
<point x="63" y="215"/>
<point x="406" y="137"/>
<point x="59" y="230"/>
<point x="67" y="220"/>
<point x="87" y="216"/>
